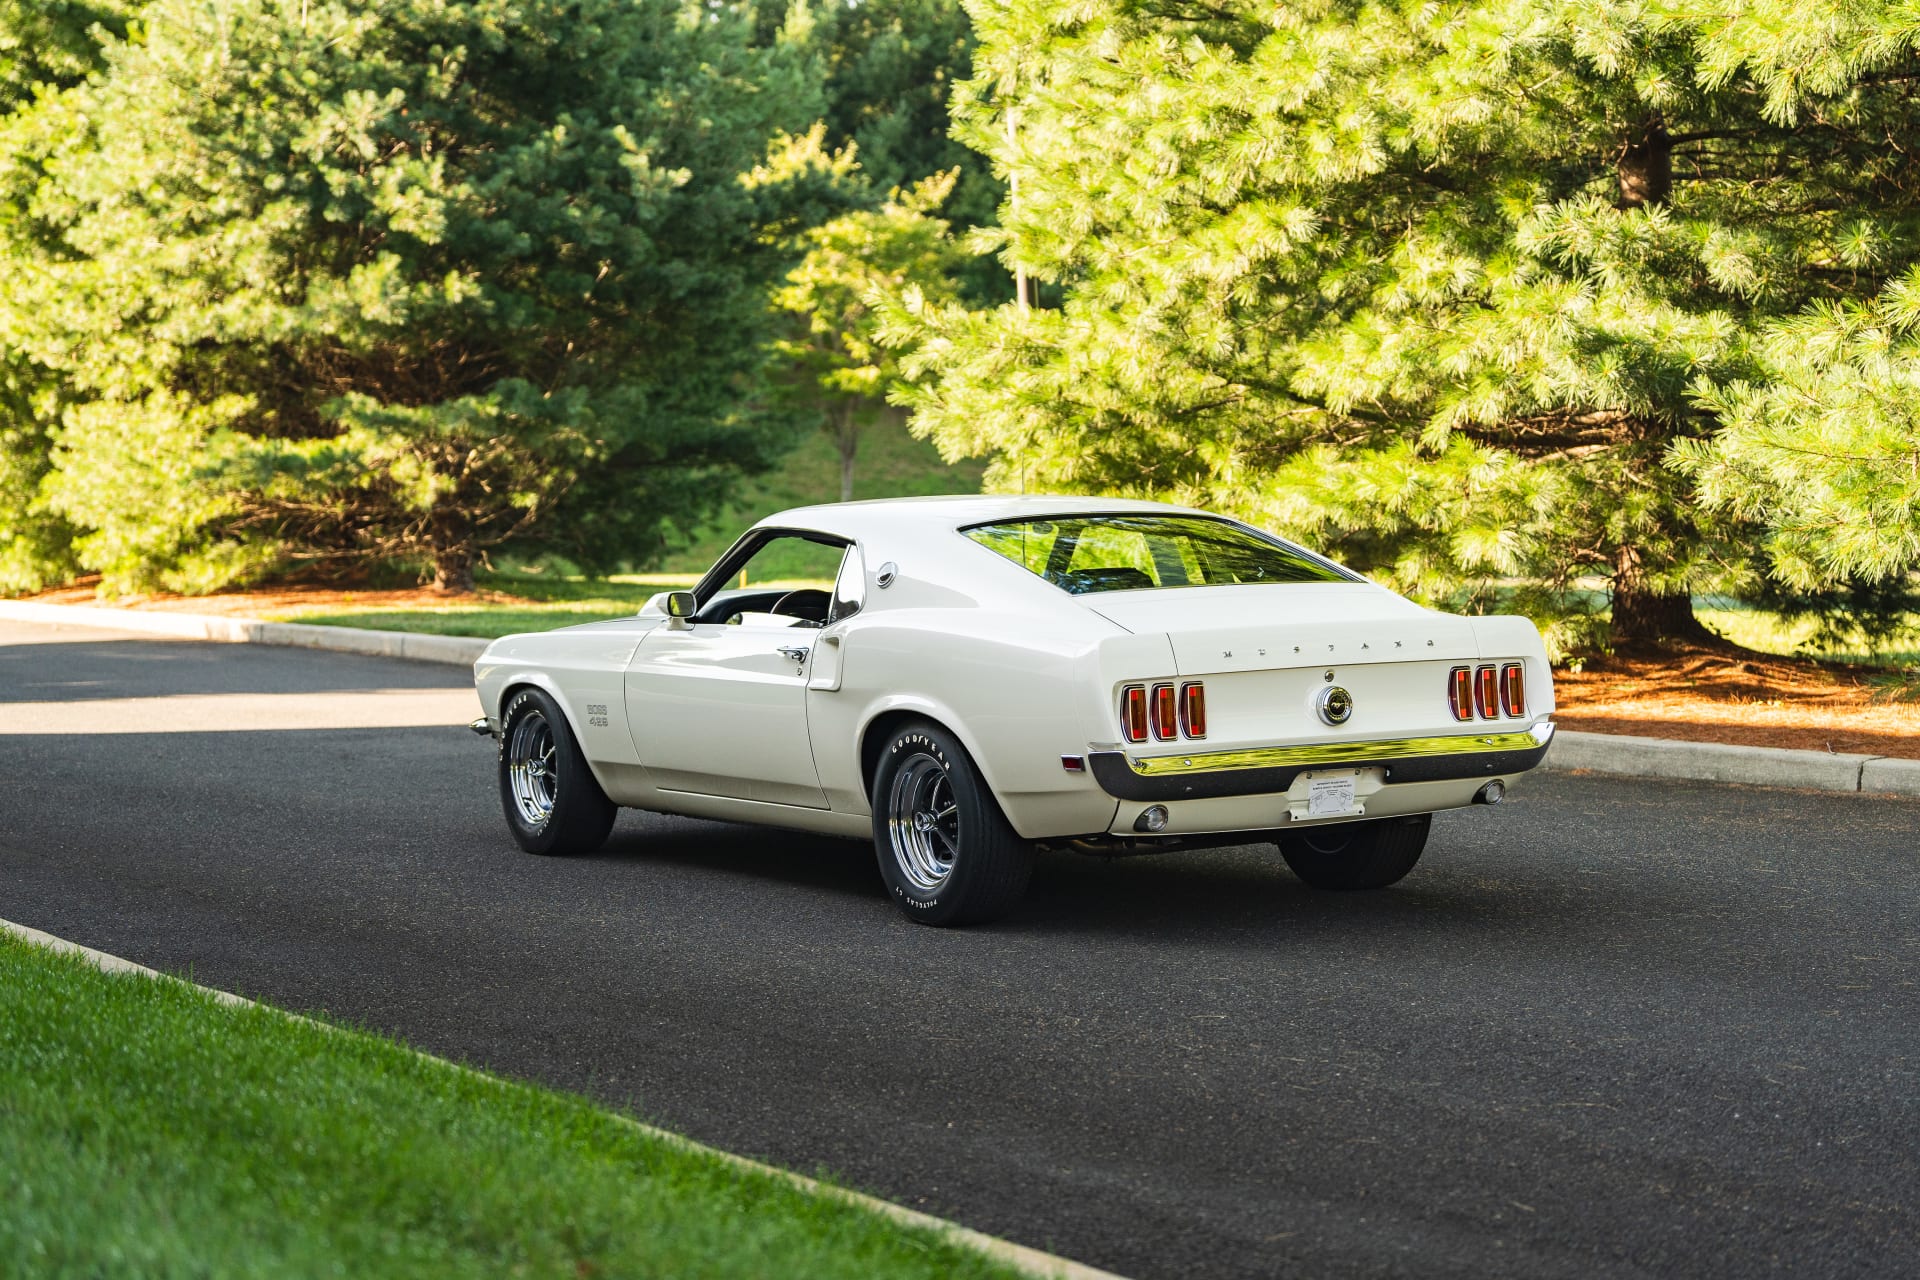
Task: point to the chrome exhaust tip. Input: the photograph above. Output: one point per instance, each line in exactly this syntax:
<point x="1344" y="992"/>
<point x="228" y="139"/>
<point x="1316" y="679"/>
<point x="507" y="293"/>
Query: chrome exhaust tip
<point x="481" y="727"/>
<point x="1493" y="793"/>
<point x="1152" y="819"/>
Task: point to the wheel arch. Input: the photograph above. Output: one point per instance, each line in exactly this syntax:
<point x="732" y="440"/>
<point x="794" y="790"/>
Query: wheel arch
<point x="545" y="684"/>
<point x="888" y="721"/>
<point x="874" y="738"/>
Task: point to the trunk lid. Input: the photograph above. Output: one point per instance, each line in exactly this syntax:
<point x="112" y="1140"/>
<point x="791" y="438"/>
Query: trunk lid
<point x="1266" y="653"/>
<point x="1215" y="630"/>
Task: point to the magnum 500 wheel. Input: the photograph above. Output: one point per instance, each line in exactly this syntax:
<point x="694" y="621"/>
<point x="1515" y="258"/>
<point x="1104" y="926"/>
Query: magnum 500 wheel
<point x="947" y="854"/>
<point x="552" y="800"/>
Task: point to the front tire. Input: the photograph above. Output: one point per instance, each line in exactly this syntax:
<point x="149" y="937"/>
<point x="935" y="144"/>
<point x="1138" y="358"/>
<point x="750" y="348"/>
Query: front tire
<point x="553" y="803"/>
<point x="1357" y="855"/>
<point x="947" y="854"/>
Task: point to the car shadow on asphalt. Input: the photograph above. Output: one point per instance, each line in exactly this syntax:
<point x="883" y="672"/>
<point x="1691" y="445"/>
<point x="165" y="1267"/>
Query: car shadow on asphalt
<point x="1203" y="896"/>
<point x="1167" y="896"/>
<point x="771" y="854"/>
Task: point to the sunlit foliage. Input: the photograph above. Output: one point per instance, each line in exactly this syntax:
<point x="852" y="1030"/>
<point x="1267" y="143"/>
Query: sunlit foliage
<point x="1474" y="293"/>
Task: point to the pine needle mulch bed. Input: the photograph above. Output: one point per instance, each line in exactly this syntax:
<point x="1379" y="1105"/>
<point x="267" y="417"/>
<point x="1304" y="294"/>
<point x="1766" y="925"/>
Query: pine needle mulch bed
<point x="1739" y="696"/>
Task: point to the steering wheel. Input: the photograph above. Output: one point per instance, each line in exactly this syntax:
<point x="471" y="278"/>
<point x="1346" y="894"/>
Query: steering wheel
<point x="809" y="604"/>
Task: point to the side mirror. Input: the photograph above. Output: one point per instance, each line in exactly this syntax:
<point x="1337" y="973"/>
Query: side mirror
<point x="681" y="606"/>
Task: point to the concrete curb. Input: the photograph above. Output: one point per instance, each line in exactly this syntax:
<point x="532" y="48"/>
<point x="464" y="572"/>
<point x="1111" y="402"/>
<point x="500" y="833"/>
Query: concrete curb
<point x="1599" y="752"/>
<point x="1044" y="1266"/>
<point x="452" y="650"/>
<point x="1725" y="762"/>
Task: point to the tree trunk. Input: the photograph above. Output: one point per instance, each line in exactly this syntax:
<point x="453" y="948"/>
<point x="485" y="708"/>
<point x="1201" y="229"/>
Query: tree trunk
<point x="1646" y="166"/>
<point x="452" y="536"/>
<point x="453" y="571"/>
<point x="1644" y="618"/>
<point x="849" y="441"/>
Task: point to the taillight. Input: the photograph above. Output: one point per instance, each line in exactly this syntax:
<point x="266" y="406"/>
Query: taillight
<point x="1193" y="710"/>
<point x="1166" y="723"/>
<point x="1163" y="711"/>
<point x="1460" y="692"/>
<point x="1133" y="712"/>
<point x="1486" y="693"/>
<point x="1513" y="689"/>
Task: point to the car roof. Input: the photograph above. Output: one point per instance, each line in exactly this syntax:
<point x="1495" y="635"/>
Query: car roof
<point x="954" y="511"/>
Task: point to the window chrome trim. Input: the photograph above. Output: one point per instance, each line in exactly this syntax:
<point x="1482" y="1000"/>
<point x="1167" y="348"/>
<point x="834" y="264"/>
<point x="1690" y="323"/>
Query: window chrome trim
<point x="849" y="585"/>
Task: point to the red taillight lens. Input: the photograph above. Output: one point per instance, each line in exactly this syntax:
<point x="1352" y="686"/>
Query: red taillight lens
<point x="1133" y="712"/>
<point x="1460" y="692"/>
<point x="1193" y="710"/>
<point x="1166" y="723"/>
<point x="1513" y="689"/>
<point x="1486" y="692"/>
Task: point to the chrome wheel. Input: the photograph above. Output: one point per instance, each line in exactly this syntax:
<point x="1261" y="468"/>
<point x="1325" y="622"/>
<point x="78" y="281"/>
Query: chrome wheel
<point x="923" y="822"/>
<point x="530" y="768"/>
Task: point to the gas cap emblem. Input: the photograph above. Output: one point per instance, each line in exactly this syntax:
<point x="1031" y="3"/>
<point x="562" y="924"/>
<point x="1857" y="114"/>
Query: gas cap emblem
<point x="1335" y="705"/>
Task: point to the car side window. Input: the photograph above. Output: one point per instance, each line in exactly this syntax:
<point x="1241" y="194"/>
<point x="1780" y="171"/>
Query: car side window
<point x="785" y="581"/>
<point x="850" y="588"/>
<point x="792" y="563"/>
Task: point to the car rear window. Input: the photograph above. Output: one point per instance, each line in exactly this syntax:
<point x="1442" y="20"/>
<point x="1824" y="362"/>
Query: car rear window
<point x="1087" y="554"/>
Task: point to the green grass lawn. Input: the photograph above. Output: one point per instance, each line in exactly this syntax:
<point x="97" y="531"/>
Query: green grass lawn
<point x="542" y="601"/>
<point x="1755" y="629"/>
<point x="147" y="1130"/>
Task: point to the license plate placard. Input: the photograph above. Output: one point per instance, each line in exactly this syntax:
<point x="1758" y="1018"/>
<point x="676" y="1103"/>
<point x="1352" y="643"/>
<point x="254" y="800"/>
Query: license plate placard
<point x="1329" y="793"/>
<point x="1330" y="797"/>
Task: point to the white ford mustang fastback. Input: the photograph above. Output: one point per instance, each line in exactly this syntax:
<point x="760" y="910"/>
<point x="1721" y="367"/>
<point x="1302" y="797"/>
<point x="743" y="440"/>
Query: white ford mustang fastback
<point x="991" y="675"/>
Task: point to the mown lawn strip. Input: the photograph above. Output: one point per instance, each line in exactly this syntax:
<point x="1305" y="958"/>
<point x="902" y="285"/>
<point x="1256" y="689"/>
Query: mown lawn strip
<point x="146" y="1129"/>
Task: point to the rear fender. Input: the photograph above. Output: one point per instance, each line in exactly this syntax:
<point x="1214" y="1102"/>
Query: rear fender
<point x="919" y="707"/>
<point x="1051" y="803"/>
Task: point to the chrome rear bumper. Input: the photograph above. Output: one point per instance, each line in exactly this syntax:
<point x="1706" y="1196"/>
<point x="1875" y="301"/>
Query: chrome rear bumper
<point x="1208" y="775"/>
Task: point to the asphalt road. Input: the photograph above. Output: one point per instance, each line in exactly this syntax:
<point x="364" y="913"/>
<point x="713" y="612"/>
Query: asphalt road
<point x="1613" y="1028"/>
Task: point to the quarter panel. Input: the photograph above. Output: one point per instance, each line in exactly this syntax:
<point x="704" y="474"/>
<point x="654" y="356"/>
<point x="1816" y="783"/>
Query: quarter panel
<point x="1018" y="693"/>
<point x="1508" y="635"/>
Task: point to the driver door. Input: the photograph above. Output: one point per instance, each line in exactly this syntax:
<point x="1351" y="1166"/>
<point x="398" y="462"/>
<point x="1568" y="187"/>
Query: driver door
<point x="719" y="707"/>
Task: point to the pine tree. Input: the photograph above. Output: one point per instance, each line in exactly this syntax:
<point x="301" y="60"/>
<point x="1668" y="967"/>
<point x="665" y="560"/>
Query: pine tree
<point x="836" y="366"/>
<point x="51" y="43"/>
<point x="45" y="46"/>
<point x="1451" y="287"/>
<point x="1824" y="449"/>
<point x="888" y="70"/>
<point x="327" y="281"/>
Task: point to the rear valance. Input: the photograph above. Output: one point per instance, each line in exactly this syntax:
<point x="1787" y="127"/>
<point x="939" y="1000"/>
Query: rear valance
<point x="1271" y="770"/>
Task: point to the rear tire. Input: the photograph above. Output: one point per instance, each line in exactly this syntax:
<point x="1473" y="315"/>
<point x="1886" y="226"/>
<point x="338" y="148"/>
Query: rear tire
<point x="1357" y="855"/>
<point x="553" y="803"/>
<point x="947" y="854"/>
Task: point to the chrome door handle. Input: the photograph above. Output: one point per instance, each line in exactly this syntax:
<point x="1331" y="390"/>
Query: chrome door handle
<point x="797" y="652"/>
